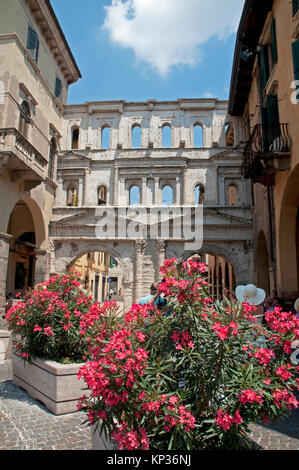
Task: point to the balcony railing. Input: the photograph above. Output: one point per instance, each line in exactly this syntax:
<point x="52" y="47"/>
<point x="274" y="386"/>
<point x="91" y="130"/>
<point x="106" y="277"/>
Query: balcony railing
<point x="22" y="155"/>
<point x="265" y="144"/>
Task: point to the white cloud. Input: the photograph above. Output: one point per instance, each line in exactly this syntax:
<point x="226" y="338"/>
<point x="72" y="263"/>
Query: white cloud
<point x="167" y="33"/>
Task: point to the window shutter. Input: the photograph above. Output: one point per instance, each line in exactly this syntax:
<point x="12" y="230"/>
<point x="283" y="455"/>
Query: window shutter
<point x="295" y="6"/>
<point x="273" y="118"/>
<point x="32" y="43"/>
<point x="295" y="50"/>
<point x="263" y="60"/>
<point x="58" y="87"/>
<point x="273" y="42"/>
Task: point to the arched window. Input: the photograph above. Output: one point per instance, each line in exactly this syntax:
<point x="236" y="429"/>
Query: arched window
<point x="166" y="135"/>
<point x="199" y="194"/>
<point x="102" y="195"/>
<point x="134" y="196"/>
<point x="52" y="154"/>
<point x="72" y="196"/>
<point x="105" y="137"/>
<point x="136" y="136"/>
<point x="229" y="135"/>
<point x="197" y="135"/>
<point x="75" y="137"/>
<point x="232" y="195"/>
<point x="167" y="196"/>
<point x="25" y="118"/>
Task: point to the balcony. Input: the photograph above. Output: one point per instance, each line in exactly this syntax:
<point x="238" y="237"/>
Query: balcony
<point x="267" y="151"/>
<point x="23" y="161"/>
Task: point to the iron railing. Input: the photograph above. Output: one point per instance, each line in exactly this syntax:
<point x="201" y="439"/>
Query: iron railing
<point x="265" y="142"/>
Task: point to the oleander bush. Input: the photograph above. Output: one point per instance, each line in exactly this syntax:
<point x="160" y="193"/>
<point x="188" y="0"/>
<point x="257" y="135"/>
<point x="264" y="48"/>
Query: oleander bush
<point x="192" y="376"/>
<point x="46" y="321"/>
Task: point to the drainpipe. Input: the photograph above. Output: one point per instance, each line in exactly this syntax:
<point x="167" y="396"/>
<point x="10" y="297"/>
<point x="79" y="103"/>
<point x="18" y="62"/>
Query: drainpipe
<point x="272" y="230"/>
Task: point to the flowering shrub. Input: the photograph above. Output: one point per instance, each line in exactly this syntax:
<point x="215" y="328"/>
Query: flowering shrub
<point x="46" y="320"/>
<point x="193" y="376"/>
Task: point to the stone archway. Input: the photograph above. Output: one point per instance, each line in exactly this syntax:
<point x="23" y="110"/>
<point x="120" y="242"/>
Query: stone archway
<point x="66" y="252"/>
<point x="238" y="254"/>
<point x="27" y="236"/>
<point x="287" y="243"/>
<point x="220" y="273"/>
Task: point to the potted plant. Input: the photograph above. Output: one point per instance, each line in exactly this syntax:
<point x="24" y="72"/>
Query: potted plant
<point x="192" y="376"/>
<point x="48" y="343"/>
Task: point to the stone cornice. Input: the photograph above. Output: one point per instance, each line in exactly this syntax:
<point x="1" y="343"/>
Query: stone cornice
<point x="49" y="26"/>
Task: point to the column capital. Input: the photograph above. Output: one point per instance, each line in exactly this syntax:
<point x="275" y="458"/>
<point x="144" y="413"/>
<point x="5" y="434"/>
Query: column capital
<point x="161" y="244"/>
<point x="140" y="245"/>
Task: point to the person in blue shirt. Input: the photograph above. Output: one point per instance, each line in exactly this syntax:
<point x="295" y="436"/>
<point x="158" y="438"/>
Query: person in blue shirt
<point x="154" y="297"/>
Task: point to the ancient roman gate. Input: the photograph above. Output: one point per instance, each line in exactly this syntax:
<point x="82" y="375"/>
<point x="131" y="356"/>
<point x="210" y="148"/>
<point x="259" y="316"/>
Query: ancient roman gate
<point x="119" y="158"/>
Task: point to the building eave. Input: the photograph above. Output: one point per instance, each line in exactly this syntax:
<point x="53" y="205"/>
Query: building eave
<point x="251" y="26"/>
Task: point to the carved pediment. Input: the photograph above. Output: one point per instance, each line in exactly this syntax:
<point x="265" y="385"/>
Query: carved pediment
<point x="217" y="217"/>
<point x="73" y="156"/>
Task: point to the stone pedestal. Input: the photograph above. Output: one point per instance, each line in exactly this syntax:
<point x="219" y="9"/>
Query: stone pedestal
<point x="138" y="268"/>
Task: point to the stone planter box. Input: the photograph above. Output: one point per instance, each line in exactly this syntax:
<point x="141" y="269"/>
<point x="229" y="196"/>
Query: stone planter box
<point x="55" y="385"/>
<point x="4" y="345"/>
<point x="99" y="442"/>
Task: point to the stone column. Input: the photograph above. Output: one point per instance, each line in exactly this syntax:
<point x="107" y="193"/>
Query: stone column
<point x="128" y="295"/>
<point x="85" y="187"/>
<point x="115" y="186"/>
<point x="156" y="195"/>
<point x="42" y="266"/>
<point x="185" y="188"/>
<point x="140" y="245"/>
<point x="177" y="191"/>
<point x="144" y="192"/>
<point x="4" y="253"/>
<point x="161" y="255"/>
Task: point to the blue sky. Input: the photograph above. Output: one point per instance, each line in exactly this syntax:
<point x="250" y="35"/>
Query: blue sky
<point x="136" y="50"/>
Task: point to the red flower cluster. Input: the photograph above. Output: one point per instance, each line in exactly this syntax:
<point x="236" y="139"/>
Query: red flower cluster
<point x="284" y="396"/>
<point x="225" y="420"/>
<point x="224" y="330"/>
<point x="46" y="320"/>
<point x="249" y="396"/>
<point x="130" y="439"/>
<point x="183" y="340"/>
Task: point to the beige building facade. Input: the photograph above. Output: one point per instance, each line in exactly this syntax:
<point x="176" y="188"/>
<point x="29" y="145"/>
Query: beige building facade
<point x="36" y="68"/>
<point x="263" y="92"/>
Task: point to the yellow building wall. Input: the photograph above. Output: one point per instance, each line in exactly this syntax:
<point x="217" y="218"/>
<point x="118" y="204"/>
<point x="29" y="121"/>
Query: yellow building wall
<point x="283" y="76"/>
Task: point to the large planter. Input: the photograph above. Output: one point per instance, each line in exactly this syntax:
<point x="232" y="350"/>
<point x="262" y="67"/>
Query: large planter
<point x="4" y="345"/>
<point x="99" y="442"/>
<point x="55" y="385"/>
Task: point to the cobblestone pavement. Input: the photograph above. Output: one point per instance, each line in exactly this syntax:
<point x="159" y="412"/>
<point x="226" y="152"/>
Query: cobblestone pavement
<point x="25" y="424"/>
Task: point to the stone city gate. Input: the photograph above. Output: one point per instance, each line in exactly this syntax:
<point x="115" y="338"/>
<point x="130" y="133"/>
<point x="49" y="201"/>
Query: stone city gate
<point x="139" y="258"/>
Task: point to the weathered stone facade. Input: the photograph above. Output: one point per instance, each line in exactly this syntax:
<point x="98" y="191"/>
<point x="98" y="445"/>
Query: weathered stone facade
<point x="62" y="167"/>
<point x="182" y="166"/>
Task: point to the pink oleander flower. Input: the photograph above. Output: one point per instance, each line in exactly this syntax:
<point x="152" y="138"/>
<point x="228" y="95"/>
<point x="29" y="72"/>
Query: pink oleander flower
<point x="249" y="396"/>
<point x="264" y="355"/>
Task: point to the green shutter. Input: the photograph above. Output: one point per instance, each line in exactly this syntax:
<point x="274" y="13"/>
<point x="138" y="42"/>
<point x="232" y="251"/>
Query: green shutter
<point x="58" y="87"/>
<point x="32" y="43"/>
<point x="263" y="60"/>
<point x="273" y="118"/>
<point x="295" y="6"/>
<point x="295" y="50"/>
<point x="273" y="42"/>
